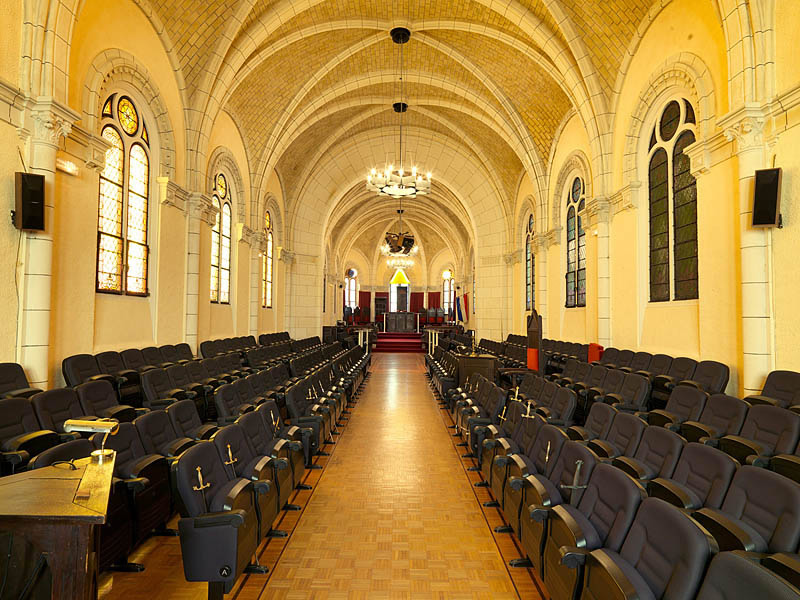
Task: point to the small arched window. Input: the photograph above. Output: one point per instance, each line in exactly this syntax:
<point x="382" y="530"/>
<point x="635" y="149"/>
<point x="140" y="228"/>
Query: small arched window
<point x="123" y="204"/>
<point x="267" y="264"/>
<point x="447" y="291"/>
<point x="673" y="206"/>
<point x="351" y="289"/>
<point x="530" y="266"/>
<point x="576" y="245"/>
<point x="221" y="243"/>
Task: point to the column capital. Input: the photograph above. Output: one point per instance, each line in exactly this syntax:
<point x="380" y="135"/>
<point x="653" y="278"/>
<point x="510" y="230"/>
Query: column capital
<point x="90" y="148"/>
<point x="542" y="241"/>
<point x="596" y="211"/>
<point x="200" y="207"/>
<point x="171" y="194"/>
<point x="745" y="125"/>
<point x="285" y="255"/>
<point x="512" y="258"/>
<point x="48" y="121"/>
<point x="626" y="198"/>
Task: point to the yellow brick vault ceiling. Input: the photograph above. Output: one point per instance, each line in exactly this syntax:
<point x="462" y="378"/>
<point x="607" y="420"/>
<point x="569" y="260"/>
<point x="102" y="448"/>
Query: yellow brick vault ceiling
<point x="495" y="78"/>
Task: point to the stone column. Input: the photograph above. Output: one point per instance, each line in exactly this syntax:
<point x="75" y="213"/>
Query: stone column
<point x="46" y="123"/>
<point x="511" y="259"/>
<point x="541" y="245"/>
<point x="746" y="127"/>
<point x="596" y="217"/>
<point x="290" y="309"/>
<point x="258" y="247"/>
<point x="200" y="211"/>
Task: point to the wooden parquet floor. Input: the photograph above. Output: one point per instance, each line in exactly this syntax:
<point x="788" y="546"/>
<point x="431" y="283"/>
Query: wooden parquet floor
<point x="392" y="515"/>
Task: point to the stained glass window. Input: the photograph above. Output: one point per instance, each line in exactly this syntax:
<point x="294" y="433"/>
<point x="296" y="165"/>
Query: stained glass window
<point x="350" y="288"/>
<point x="122" y="211"/>
<point x="576" y="246"/>
<point x="225" y="255"/>
<point x="215" y="252"/>
<point x="673" y="206"/>
<point x="267" y="264"/>
<point x="447" y="295"/>
<point x="221" y="246"/>
<point x="530" y="258"/>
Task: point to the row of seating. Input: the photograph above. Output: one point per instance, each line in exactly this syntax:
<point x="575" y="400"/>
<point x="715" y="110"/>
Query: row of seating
<point x="510" y="355"/>
<point x="268" y="339"/>
<point x="588" y="526"/>
<point x="211" y="348"/>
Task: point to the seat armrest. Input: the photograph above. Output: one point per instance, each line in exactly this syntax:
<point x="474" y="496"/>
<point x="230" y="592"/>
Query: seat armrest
<point x="15" y="457"/>
<point x="613" y="399"/>
<point x="614" y="576"/>
<point x="755" y="460"/>
<point x="784" y="565"/>
<point x="226" y="518"/>
<point x="136" y="484"/>
<point x="603" y="449"/>
<point x="730" y="534"/>
<point x="671" y="492"/>
<point x="573" y="557"/>
<point x="262" y="486"/>
<point x="177" y="446"/>
<point x="545" y="411"/>
<point x="21" y="393"/>
<point x="691" y="383"/>
<point x="707" y="441"/>
<point x="660" y="417"/>
<point x="163" y="402"/>
<point x="135" y="469"/>
<point x="32" y="443"/>
<point x="632" y="467"/>
<point x="103" y="377"/>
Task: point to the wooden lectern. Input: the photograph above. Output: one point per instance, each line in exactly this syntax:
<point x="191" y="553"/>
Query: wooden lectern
<point x="56" y="510"/>
<point x="534" y="341"/>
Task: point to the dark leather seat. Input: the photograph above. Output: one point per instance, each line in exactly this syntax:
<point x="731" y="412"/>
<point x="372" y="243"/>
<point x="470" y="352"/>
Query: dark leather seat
<point x="656" y="456"/>
<point x="83" y="367"/>
<point x="767" y="430"/>
<point x="158" y="389"/>
<point x="722" y="415"/>
<point x="609" y="356"/>
<point x="601" y="519"/>
<point x="612" y="384"/>
<point x="540" y="494"/>
<point x="685" y="403"/>
<point x="134" y="360"/>
<point x="659" y="365"/>
<point x="736" y="576"/>
<point x="228" y="404"/>
<point x="710" y="376"/>
<point x="14" y="382"/>
<point x="782" y="388"/>
<point x="760" y="513"/>
<point x="562" y="408"/>
<point x="158" y="436"/>
<point x="505" y="448"/>
<point x="683" y="550"/>
<point x="639" y="362"/>
<point x="21" y="435"/>
<point x="99" y="398"/>
<point x="581" y="373"/>
<point x="170" y="354"/>
<point x="701" y="478"/>
<point x="265" y="442"/>
<point x="219" y="524"/>
<point x="633" y="395"/>
<point x="129" y="381"/>
<point x="181" y="379"/>
<point x="187" y="423"/>
<point x="681" y="369"/>
<point x="55" y="406"/>
<point x="153" y="356"/>
<point x="598" y="423"/>
<point x="623" y="438"/>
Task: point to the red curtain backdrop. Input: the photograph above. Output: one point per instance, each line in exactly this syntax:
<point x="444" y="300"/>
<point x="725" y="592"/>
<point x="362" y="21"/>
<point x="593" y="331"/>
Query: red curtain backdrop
<point x="434" y="299"/>
<point x="417" y="301"/>
<point x="466" y="307"/>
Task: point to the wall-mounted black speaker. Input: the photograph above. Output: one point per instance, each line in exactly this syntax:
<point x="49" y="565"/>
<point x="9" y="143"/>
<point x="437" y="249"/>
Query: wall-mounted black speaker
<point x="767" y="198"/>
<point x="29" y="209"/>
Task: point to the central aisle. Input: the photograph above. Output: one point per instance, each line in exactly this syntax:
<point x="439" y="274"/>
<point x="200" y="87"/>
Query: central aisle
<point x="394" y="514"/>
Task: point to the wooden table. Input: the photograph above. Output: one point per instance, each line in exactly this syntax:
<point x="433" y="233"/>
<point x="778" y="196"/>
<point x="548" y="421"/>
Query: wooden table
<point x="57" y="510"/>
<point x="485" y="364"/>
<point x="401" y="322"/>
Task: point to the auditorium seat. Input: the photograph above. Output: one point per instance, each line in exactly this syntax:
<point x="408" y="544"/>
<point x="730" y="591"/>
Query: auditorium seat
<point x="659" y="365"/>
<point x="581" y="373"/>
<point x="158" y="391"/>
<point x="486" y="412"/>
<point x="597" y="425"/>
<point x="241" y="461"/>
<point x="303" y="412"/>
<point x="505" y="448"/>
<point x="685" y="403"/>
<point x="540" y="458"/>
<point x="737" y="576"/>
<point x="14" y="382"/>
<point x="128" y="379"/>
<point x="656" y="456"/>
<point x="305" y="435"/>
<point x="664" y="555"/>
<point x="21" y="436"/>
<point x="99" y="398"/>
<point x="767" y="430"/>
<point x="181" y="379"/>
<point x="83" y="367"/>
<point x="722" y="415"/>
<point x="622" y="360"/>
<point x="562" y="408"/>
<point x="219" y="525"/>
<point x="158" y="435"/>
<point x="228" y="404"/>
<point x="56" y="406"/>
<point x="198" y="374"/>
<point x="170" y="354"/>
<point x="701" y="478"/>
<point x="633" y="395"/>
<point x="622" y="439"/>
<point x="612" y="384"/>
<point x="782" y="388"/>
<point x="116" y="534"/>
<point x="710" y="376"/>
<point x="601" y="519"/>
<point x="609" y="357"/>
<point x="134" y="360"/>
<point x="639" y="362"/>
<point x="681" y="369"/>
<point x="147" y="477"/>
<point x="760" y="513"/>
<point x="540" y="493"/>
<point x="153" y="356"/>
<point x="510" y="422"/>
<point x="595" y="379"/>
<point x="187" y="423"/>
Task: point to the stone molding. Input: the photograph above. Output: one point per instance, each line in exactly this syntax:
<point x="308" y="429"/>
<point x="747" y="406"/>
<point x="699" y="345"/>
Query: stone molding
<point x="172" y="194"/>
<point x="200" y="207"/>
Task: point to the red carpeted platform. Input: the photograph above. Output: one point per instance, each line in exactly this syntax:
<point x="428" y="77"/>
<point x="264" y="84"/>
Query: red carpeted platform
<point x="399" y="342"/>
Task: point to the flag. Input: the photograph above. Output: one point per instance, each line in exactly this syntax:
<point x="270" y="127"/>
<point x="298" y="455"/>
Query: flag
<point x="458" y="309"/>
<point x="466" y="306"/>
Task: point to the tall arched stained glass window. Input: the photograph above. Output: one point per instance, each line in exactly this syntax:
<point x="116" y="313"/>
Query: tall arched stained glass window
<point x="673" y="206"/>
<point x="122" y="211"/>
<point x="221" y="243"/>
<point x="267" y="265"/>
<point x="447" y="291"/>
<point x="530" y="266"/>
<point x="351" y="288"/>
<point x="576" y="246"/>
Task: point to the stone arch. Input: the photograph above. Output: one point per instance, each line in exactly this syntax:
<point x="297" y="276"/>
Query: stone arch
<point x="222" y="159"/>
<point x="271" y="204"/>
<point x="684" y="71"/>
<point x="113" y="67"/>
<point x="576" y="161"/>
<point x="526" y="207"/>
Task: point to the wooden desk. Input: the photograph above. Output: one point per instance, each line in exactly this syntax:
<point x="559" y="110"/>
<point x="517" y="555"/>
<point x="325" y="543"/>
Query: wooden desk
<point x="401" y="322"/>
<point x="485" y="364"/>
<point x="57" y="509"/>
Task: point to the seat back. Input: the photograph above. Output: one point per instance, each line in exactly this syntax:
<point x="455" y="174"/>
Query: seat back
<point x="624" y="358"/>
<point x="767" y="502"/>
<point x="726" y="414"/>
<point x="660" y="449"/>
<point x="531" y="386"/>
<point x="197" y="371"/>
<point x="686" y="402"/>
<point x="184" y="351"/>
<point x="610" y="502"/>
<point x="78" y="368"/>
<point x="682" y="368"/>
<point x="660" y="364"/>
<point x="609" y="356"/>
<point x="256" y="431"/>
<point x="733" y="576"/>
<point x="613" y="381"/>
<point x="706" y="471"/>
<point x="17" y="417"/>
<point x="234" y="450"/>
<point x="775" y="428"/>
<point x="169" y="353"/>
<point x="668" y="549"/>
<point x="546" y="448"/>
<point x="563" y="406"/>
<point x="55" y="406"/>
<point x="12" y="377"/>
<point x="205" y="456"/>
<point x="569" y="368"/>
<point x="96" y="397"/>
<point x="635" y="390"/>
<point x="133" y="359"/>
<point x="184" y="417"/>
<point x="563" y="473"/>
<point x="109" y="362"/>
<point x="227" y="400"/>
<point x="155" y="430"/>
<point x="126" y="443"/>
<point x="179" y="376"/>
<point x="626" y="433"/>
<point x="599" y="420"/>
<point x="547" y="394"/>
<point x="783" y="386"/>
<point x="582" y="372"/>
<point x="155" y="385"/>
<point x="153" y="356"/>
<point x="596" y="376"/>
<point x="640" y="361"/>
<point x="712" y="376"/>
<point x="72" y="450"/>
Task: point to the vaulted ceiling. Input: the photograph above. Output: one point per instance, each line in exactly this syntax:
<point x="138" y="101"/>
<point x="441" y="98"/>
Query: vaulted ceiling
<point x="492" y="79"/>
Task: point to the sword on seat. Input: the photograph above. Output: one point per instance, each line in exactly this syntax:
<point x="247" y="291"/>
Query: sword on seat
<point x="201" y="487"/>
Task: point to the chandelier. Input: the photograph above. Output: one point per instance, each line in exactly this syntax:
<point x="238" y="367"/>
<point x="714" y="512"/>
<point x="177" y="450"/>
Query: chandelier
<point x="398" y="182"/>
